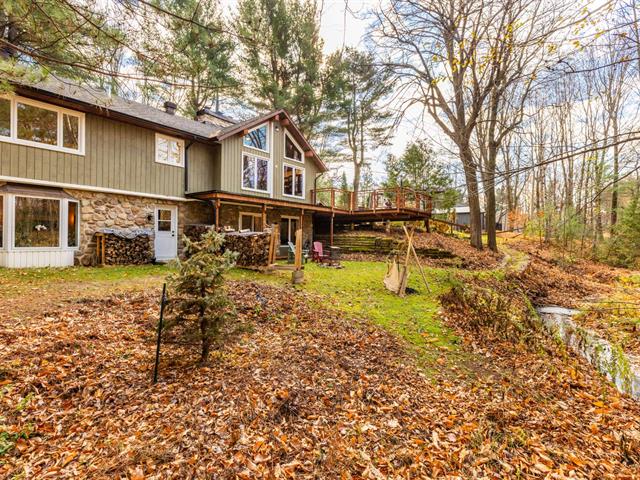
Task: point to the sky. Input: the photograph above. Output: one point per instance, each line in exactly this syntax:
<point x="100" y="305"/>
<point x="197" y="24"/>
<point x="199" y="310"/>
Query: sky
<point x="345" y="23"/>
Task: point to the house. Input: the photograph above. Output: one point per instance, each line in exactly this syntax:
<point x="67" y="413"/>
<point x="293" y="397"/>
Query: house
<point x="75" y="160"/>
<point x="460" y="214"/>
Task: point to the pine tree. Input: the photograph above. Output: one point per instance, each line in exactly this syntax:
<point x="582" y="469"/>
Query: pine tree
<point x="197" y="301"/>
<point x="358" y="88"/>
<point x="418" y="168"/>
<point x="282" y="55"/>
<point x="197" y="56"/>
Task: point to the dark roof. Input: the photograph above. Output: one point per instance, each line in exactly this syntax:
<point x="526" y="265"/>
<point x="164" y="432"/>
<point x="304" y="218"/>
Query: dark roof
<point x="94" y="98"/>
<point x="99" y="98"/>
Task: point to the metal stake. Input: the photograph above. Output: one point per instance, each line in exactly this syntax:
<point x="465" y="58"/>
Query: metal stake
<point x="162" y="302"/>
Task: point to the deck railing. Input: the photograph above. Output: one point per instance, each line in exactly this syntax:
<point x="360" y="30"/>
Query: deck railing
<point x="398" y="198"/>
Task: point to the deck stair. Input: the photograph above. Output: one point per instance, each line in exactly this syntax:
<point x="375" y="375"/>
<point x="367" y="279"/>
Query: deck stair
<point x="377" y="244"/>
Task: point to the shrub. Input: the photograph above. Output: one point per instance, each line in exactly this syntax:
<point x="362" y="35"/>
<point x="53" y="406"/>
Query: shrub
<point x="197" y="301"/>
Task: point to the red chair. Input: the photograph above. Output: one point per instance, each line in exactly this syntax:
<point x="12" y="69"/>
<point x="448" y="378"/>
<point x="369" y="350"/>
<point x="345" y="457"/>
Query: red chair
<point x="318" y="254"/>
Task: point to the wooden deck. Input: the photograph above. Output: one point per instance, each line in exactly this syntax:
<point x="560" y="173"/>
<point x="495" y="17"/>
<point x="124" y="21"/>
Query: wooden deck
<point x="344" y="206"/>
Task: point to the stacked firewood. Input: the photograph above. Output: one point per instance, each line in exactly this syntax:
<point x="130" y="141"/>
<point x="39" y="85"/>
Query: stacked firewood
<point x="253" y="248"/>
<point x="121" y="250"/>
<point x="195" y="231"/>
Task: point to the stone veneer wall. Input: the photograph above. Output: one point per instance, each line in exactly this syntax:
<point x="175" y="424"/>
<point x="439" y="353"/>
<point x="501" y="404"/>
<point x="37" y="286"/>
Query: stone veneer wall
<point x="230" y="216"/>
<point x="107" y="210"/>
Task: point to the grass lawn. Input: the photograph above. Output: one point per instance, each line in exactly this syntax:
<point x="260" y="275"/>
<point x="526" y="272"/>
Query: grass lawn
<point x="357" y="289"/>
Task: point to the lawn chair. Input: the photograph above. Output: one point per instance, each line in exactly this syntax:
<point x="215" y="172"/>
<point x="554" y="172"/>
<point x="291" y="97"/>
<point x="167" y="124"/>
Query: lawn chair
<point x="291" y="254"/>
<point x="318" y="254"/>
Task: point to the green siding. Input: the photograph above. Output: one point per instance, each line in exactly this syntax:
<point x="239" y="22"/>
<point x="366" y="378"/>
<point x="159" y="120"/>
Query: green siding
<point x="117" y="155"/>
<point x="230" y="175"/>
<point x="204" y="167"/>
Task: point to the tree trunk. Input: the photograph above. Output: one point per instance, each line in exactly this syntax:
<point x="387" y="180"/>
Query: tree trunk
<point x="470" y="174"/>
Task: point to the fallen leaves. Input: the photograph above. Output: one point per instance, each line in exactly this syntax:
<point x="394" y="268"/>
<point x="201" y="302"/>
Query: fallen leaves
<point x="299" y="392"/>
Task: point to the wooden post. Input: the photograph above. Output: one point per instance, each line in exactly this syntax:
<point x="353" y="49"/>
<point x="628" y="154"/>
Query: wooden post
<point x="217" y="225"/>
<point x="264" y="216"/>
<point x="331" y="232"/>
<point x="297" y="276"/>
<point x="333" y="198"/>
<point x="352" y="206"/>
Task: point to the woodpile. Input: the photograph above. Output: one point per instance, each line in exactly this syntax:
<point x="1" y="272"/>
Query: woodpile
<point x="253" y="247"/>
<point x="124" y="248"/>
<point x="195" y="231"/>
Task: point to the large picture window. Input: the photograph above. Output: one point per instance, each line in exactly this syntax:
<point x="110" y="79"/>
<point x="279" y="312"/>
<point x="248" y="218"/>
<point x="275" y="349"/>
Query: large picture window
<point x="258" y="138"/>
<point x="255" y="173"/>
<point x="37" y="222"/>
<point x="38" y="124"/>
<point x="293" y="181"/>
<point x="291" y="149"/>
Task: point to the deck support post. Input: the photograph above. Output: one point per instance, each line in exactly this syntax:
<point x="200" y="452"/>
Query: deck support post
<point x="331" y="231"/>
<point x="217" y="221"/>
<point x="264" y="216"/>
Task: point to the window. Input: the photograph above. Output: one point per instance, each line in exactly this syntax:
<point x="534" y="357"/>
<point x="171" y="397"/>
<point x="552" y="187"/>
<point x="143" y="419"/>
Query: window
<point x="250" y="221"/>
<point x="72" y="224"/>
<point x="293" y="181"/>
<point x="288" y="227"/>
<point x="28" y="122"/>
<point x="291" y="149"/>
<point x="5" y="117"/>
<point x="37" y="124"/>
<point x="169" y="150"/>
<point x="37" y="222"/>
<point x="257" y="138"/>
<point x="255" y="173"/>
<point x="164" y="220"/>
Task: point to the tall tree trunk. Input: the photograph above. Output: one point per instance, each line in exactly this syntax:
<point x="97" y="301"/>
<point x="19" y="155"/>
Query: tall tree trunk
<point x="471" y="177"/>
<point x="616" y="173"/>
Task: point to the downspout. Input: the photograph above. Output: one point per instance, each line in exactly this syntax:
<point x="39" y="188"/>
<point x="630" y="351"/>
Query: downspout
<point x="186" y="167"/>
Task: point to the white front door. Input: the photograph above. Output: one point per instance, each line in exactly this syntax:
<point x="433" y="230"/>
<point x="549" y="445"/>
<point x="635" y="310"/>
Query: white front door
<point x="166" y="233"/>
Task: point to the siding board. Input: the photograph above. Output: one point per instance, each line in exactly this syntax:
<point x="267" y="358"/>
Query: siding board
<point x="117" y="155"/>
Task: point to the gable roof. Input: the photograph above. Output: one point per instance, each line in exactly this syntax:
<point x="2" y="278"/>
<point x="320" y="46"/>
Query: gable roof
<point x="278" y="115"/>
<point x="102" y="103"/>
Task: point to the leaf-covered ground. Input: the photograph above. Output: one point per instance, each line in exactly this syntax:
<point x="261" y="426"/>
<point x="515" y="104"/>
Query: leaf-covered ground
<point x="300" y="391"/>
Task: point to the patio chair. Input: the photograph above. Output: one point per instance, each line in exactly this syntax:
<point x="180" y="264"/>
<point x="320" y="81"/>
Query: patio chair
<point x="318" y="254"/>
<point x="291" y="254"/>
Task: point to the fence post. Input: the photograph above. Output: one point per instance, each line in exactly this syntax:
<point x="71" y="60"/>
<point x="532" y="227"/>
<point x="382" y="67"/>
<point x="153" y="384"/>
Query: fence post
<point x="162" y="303"/>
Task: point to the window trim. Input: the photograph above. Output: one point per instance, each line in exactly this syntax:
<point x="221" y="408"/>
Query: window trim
<point x="284" y="147"/>
<point x="268" y="140"/>
<point x="248" y="214"/>
<point x="181" y="145"/>
<point x="304" y="180"/>
<point x="13" y="125"/>
<point x="10" y="223"/>
<point x="257" y="190"/>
